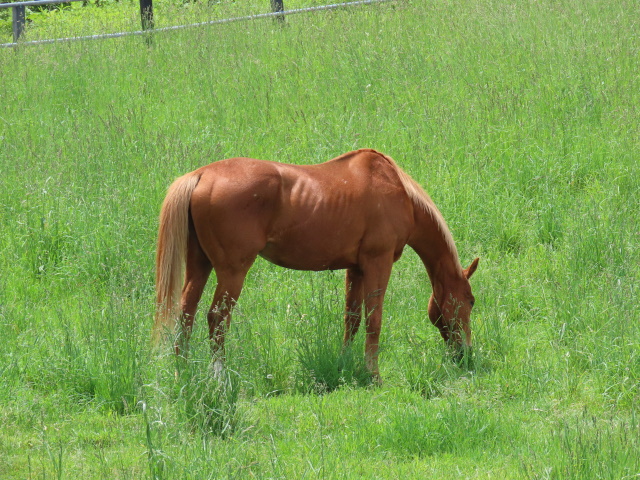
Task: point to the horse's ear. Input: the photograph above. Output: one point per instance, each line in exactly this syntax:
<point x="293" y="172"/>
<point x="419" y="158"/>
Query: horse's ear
<point x="472" y="268"/>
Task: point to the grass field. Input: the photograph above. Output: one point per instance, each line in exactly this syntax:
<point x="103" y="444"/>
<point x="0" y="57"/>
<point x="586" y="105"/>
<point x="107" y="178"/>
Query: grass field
<point x="521" y="119"/>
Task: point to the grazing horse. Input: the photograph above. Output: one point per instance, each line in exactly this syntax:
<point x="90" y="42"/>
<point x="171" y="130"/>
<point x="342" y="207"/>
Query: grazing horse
<point x="355" y="212"/>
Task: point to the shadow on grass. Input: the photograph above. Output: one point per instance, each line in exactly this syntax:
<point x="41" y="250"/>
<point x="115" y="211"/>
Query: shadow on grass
<point x="325" y="366"/>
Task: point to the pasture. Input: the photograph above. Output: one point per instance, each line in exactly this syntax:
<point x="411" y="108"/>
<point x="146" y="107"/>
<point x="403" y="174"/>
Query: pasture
<point x="521" y="120"/>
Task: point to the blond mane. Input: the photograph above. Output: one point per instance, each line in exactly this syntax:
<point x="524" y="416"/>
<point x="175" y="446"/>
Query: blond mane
<point x="422" y="199"/>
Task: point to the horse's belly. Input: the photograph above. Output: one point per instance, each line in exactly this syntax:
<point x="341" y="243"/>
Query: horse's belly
<point x="310" y="255"/>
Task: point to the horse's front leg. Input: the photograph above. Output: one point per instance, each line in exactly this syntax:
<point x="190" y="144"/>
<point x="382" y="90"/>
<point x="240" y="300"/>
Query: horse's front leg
<point x="353" y="308"/>
<point x="376" y="278"/>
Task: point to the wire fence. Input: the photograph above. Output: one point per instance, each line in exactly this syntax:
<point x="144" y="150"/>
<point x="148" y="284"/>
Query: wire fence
<point x="259" y="16"/>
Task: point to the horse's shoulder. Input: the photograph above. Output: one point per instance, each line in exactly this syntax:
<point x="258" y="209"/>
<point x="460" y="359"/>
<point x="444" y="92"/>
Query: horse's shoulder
<point x="382" y="169"/>
<point x="364" y="158"/>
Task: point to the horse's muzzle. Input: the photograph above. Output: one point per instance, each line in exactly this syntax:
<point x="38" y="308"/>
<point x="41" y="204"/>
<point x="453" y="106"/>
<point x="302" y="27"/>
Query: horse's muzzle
<point x="462" y="354"/>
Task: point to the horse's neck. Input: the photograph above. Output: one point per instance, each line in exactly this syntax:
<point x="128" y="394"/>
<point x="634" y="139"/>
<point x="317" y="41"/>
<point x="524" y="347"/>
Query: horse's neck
<point x="435" y="249"/>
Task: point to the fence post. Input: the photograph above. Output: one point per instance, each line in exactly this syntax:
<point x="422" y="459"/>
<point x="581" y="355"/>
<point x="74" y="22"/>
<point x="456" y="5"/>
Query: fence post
<point x="146" y="14"/>
<point x="278" y="6"/>
<point x="18" y="21"/>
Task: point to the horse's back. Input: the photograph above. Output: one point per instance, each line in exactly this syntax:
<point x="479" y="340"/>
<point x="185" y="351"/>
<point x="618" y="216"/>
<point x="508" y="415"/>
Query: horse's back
<point x="308" y="217"/>
<point x="357" y="175"/>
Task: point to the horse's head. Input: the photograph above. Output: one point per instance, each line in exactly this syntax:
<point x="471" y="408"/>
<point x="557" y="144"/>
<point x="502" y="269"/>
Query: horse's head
<point x="450" y="310"/>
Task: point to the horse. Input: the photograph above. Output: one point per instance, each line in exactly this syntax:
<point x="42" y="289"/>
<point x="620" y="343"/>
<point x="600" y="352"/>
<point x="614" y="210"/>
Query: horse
<point x="356" y="212"/>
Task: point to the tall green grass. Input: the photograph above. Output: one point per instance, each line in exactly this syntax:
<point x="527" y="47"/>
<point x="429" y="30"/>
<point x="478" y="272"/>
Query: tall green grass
<point x="522" y="122"/>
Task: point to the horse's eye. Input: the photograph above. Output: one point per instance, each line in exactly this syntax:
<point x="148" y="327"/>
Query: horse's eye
<point x="473" y="302"/>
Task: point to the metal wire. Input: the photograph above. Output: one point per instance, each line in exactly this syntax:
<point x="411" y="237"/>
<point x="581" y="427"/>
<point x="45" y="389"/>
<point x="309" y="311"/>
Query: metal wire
<point x="34" y="3"/>
<point x="194" y="25"/>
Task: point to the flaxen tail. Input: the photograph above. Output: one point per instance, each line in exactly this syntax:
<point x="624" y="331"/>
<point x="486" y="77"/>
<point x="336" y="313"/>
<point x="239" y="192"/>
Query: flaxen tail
<point x="172" y="251"/>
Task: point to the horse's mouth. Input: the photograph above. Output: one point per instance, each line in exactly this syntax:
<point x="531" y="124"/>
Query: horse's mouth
<point x="462" y="354"/>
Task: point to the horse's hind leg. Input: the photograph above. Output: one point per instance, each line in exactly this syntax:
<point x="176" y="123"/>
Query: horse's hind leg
<point x="353" y="308"/>
<point x="198" y="268"/>
<point x="230" y="281"/>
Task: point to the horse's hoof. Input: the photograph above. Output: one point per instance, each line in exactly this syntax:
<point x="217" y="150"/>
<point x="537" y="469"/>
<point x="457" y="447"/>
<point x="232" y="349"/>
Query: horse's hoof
<point x="218" y="369"/>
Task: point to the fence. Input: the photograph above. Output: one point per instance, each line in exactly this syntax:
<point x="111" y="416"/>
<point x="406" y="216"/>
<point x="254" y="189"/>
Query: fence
<point x="146" y="15"/>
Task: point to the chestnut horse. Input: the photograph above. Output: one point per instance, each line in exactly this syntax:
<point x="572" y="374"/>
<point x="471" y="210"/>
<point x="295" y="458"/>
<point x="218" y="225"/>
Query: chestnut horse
<point x="355" y="212"/>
